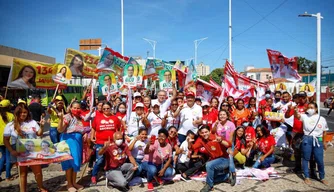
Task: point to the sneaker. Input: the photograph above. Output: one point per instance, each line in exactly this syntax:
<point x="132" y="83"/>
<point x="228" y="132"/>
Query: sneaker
<point x="233" y="178"/>
<point x="160" y="181"/>
<point x="93" y="180"/>
<point x="206" y="188"/>
<point x="186" y="179"/>
<point x="150" y="186"/>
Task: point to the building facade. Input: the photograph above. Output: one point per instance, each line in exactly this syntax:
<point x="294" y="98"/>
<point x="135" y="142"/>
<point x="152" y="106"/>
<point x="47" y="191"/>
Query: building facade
<point x="202" y="70"/>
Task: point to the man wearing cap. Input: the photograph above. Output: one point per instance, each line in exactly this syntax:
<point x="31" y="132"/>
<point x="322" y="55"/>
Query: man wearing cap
<point x="36" y="109"/>
<point x="53" y="109"/>
<point x="297" y="130"/>
<point x="163" y="101"/>
<point x="154" y="119"/>
<point x="190" y="116"/>
<point x="137" y="99"/>
<point x="135" y="121"/>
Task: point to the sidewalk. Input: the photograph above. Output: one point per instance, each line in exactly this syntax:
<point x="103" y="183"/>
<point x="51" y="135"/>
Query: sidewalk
<point x="54" y="180"/>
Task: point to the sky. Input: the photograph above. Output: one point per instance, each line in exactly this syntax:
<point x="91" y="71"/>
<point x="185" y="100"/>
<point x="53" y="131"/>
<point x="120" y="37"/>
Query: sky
<point x="49" y="27"/>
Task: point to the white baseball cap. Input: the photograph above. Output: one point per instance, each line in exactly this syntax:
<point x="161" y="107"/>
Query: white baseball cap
<point x="139" y="105"/>
<point x="136" y="94"/>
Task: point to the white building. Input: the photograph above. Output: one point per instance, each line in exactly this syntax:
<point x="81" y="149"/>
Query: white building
<point x="202" y="69"/>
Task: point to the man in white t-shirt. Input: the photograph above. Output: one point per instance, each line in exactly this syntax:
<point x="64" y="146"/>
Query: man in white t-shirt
<point x="190" y="116"/>
<point x="163" y="101"/>
<point x="136" y="121"/>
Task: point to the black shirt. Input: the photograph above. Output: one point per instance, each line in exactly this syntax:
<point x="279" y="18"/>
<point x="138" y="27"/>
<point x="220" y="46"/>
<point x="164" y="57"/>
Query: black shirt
<point x="36" y="111"/>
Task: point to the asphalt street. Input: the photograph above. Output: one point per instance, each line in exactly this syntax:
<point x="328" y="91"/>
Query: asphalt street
<point x="329" y="119"/>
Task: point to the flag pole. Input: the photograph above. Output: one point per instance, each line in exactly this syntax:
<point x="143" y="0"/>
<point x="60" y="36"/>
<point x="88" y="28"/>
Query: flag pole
<point x="6" y="92"/>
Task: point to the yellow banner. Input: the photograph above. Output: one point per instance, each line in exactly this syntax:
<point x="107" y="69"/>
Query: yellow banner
<point x="30" y="75"/>
<point x="81" y="64"/>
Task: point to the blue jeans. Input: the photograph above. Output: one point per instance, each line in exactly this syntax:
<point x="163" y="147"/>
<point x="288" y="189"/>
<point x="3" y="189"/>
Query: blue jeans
<point x="216" y="171"/>
<point x="153" y="169"/>
<point x="99" y="160"/>
<point x="139" y="169"/>
<point x="307" y="149"/>
<point x="181" y="138"/>
<point x="3" y="157"/>
<point x="265" y="163"/>
<point x="6" y="158"/>
<point x="54" y="135"/>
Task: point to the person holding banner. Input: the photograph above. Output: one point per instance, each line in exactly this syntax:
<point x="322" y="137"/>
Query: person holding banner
<point x="24" y="127"/>
<point x="76" y="65"/>
<point x="25" y="79"/>
<point x="71" y="127"/>
<point x="53" y="110"/>
<point x="104" y="126"/>
<point x="5" y="118"/>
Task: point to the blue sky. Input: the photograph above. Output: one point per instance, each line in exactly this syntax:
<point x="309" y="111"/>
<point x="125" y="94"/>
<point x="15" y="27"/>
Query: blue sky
<point x="49" y="27"/>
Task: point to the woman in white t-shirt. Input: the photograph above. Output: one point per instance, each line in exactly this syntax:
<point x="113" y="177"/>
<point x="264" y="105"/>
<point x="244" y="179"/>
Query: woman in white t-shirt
<point x="315" y="128"/>
<point x="155" y="120"/>
<point x="169" y="116"/>
<point x="137" y="147"/>
<point x="24" y="127"/>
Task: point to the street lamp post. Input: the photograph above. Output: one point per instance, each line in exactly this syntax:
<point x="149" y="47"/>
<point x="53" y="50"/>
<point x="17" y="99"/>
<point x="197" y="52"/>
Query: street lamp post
<point x="152" y="43"/>
<point x="122" y="25"/>
<point x="197" y="42"/>
<point x="318" y="16"/>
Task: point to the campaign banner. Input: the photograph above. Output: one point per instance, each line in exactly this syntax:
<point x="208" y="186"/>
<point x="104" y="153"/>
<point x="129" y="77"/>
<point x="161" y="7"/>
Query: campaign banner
<point x="107" y="84"/>
<point x="283" y="67"/>
<point x="138" y="71"/>
<point x="112" y="61"/>
<point x="63" y="76"/>
<point x="166" y="79"/>
<point x="181" y="74"/>
<point x="191" y="76"/>
<point x="204" y="90"/>
<point x="129" y="78"/>
<point x="273" y="116"/>
<point x="81" y="64"/>
<point x="27" y="74"/>
<point x="41" y="151"/>
<point x="153" y="66"/>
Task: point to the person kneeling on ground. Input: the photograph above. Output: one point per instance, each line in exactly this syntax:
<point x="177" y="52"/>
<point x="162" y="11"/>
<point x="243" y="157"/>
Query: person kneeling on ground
<point x="157" y="159"/>
<point x="118" y="172"/>
<point x="265" y="145"/>
<point x="217" y="166"/>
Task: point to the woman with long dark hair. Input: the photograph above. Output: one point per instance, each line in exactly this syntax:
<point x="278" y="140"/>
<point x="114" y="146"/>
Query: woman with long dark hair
<point x="24" y="127"/>
<point x="25" y="79"/>
<point x="231" y="104"/>
<point x="265" y="146"/>
<point x="241" y="114"/>
<point x="76" y="65"/>
<point x="5" y="118"/>
<point x="71" y="126"/>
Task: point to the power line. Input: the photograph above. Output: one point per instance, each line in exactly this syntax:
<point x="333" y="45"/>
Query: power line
<point x="221" y="54"/>
<point x="261" y="18"/>
<point x="221" y="46"/>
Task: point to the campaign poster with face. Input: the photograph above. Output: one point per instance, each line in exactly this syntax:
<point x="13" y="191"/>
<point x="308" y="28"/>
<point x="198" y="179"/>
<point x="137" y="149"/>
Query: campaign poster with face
<point x="129" y="78"/>
<point x="63" y="76"/>
<point x="108" y="84"/>
<point x="166" y="79"/>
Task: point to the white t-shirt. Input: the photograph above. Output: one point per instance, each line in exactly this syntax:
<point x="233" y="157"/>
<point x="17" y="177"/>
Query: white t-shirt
<point x="284" y="108"/>
<point x="138" y="150"/>
<point x="155" y="121"/>
<point x="279" y="135"/>
<point x="171" y="121"/>
<point x="29" y="130"/>
<point x="163" y="106"/>
<point x="187" y="116"/>
<point x="183" y="157"/>
<point x="309" y="124"/>
<point x="135" y="123"/>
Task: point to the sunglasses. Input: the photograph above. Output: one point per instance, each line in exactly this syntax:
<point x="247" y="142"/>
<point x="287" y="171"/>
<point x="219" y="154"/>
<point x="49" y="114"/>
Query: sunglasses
<point x="225" y="105"/>
<point x="205" y="106"/>
<point x="105" y="109"/>
<point x="174" y="104"/>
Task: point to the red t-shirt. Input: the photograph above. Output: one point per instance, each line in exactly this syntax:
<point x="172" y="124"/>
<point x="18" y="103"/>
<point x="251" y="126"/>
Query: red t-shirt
<point x="215" y="149"/>
<point x="173" y="142"/>
<point x="83" y="114"/>
<point x="298" y="124"/>
<point x="209" y="118"/>
<point x="105" y="127"/>
<point x="238" y="144"/>
<point x="263" y="102"/>
<point x="265" y="144"/>
<point x="120" y="115"/>
<point x="116" y="156"/>
<point x="249" y="134"/>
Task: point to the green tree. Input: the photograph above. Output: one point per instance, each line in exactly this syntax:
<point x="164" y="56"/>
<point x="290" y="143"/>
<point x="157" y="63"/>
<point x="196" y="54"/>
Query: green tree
<point x="216" y="75"/>
<point x="306" y="65"/>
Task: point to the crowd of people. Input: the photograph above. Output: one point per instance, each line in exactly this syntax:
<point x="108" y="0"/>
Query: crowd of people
<point x="159" y="135"/>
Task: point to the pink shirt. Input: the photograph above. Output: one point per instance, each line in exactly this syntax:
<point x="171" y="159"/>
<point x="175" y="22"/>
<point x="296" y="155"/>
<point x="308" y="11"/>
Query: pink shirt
<point x="158" y="154"/>
<point x="226" y="131"/>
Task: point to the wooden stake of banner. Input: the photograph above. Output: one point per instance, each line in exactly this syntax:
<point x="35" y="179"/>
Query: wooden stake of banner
<point x="54" y="95"/>
<point x="6" y="92"/>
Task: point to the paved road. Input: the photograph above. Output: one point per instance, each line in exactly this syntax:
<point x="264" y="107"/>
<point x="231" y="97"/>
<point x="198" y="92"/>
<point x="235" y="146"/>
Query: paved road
<point x="329" y="119"/>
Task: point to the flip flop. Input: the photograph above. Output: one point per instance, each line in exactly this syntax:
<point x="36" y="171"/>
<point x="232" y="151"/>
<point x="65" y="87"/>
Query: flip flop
<point x="307" y="181"/>
<point x="71" y="189"/>
<point x="325" y="182"/>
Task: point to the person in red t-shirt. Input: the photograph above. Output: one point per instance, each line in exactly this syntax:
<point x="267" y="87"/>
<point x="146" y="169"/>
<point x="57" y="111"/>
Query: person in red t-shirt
<point x="209" y="117"/>
<point x="105" y="126"/>
<point x="173" y="141"/>
<point x="265" y="146"/>
<point x="118" y="172"/>
<point x="240" y="145"/>
<point x="297" y="130"/>
<point x="219" y="158"/>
